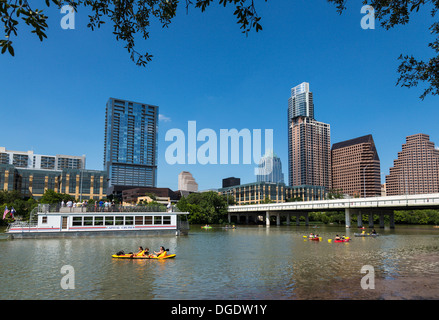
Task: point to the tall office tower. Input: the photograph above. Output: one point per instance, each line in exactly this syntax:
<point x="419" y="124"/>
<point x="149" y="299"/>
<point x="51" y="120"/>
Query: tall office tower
<point x="130" y="145"/>
<point x="356" y="167"/>
<point x="310" y="157"/>
<point x="416" y="170"/>
<point x="309" y="142"/>
<point x="270" y="169"/>
<point x="186" y="182"/>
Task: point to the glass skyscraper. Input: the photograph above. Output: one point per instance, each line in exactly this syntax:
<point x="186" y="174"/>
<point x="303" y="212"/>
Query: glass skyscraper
<point x="270" y="169"/>
<point x="130" y="145"/>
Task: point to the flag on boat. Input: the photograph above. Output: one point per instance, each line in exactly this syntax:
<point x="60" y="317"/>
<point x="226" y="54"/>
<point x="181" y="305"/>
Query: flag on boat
<point x="5" y="213"/>
<point x="12" y="212"/>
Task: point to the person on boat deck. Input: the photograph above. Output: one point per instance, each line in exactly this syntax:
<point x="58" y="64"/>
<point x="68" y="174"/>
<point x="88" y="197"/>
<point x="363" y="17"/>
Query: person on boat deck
<point x="161" y="251"/>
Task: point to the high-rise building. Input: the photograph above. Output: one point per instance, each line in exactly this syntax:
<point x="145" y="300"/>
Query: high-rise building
<point x="270" y="169"/>
<point x="356" y="167"/>
<point x="416" y="170"/>
<point x="309" y="142"/>
<point x="186" y="182"/>
<point x="130" y="145"/>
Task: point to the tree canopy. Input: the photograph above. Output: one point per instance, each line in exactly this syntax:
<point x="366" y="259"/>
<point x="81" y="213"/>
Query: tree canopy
<point x="129" y="17"/>
<point x="205" y="207"/>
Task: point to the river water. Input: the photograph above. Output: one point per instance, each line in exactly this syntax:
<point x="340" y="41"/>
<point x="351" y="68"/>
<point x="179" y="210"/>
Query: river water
<point x="250" y="262"/>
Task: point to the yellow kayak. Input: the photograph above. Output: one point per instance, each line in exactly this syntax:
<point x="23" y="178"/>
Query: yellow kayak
<point x="130" y="256"/>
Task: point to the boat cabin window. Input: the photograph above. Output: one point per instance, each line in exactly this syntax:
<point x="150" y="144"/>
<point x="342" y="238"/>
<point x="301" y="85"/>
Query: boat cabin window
<point x="99" y="221"/>
<point x="88" y="221"/>
<point x="109" y="221"/>
<point x="119" y="221"/>
<point x="77" y="221"/>
<point x="167" y="220"/>
<point x="148" y="220"/>
<point x="157" y="219"/>
<point x="139" y="220"/>
<point x="43" y="219"/>
<point x="129" y="220"/>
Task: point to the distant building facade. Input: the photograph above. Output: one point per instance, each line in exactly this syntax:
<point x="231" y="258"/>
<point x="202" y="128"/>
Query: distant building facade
<point x="231" y="181"/>
<point x="186" y="182"/>
<point x="82" y="184"/>
<point x="309" y="142"/>
<point x="270" y="169"/>
<point x="416" y="170"/>
<point x="31" y="160"/>
<point x="130" y="144"/>
<point x="356" y="167"/>
<point x="259" y="192"/>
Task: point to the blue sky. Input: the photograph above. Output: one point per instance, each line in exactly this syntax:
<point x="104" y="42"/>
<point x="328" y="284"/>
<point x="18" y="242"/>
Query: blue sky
<point x="53" y="93"/>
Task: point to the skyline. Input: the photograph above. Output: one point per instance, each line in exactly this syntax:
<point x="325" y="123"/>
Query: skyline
<point x="218" y="77"/>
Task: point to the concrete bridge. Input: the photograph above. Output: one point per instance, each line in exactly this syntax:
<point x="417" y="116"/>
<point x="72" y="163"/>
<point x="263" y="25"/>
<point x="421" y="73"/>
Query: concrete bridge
<point x="359" y="206"/>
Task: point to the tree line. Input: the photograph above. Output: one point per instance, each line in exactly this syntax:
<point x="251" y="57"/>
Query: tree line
<point x="209" y="207"/>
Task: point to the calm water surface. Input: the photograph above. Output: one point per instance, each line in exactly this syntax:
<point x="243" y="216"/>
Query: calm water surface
<point x="250" y="262"/>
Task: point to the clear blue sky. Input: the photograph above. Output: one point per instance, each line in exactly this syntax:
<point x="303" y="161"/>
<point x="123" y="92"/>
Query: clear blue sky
<point x="53" y="94"/>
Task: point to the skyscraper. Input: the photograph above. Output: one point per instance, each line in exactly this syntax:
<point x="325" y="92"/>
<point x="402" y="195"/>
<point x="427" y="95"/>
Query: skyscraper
<point x="309" y="142"/>
<point x="416" y="170"/>
<point x="356" y="167"/>
<point x="130" y="145"/>
<point x="270" y="169"/>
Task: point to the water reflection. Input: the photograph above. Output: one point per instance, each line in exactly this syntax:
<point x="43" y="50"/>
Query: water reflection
<point x="244" y="263"/>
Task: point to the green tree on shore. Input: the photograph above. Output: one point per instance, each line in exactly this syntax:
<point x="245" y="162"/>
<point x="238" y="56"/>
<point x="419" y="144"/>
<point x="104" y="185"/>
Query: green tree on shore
<point x="205" y="207"/>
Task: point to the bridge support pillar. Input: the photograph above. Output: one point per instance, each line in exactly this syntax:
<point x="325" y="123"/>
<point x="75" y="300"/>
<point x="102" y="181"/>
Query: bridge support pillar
<point x="370" y="219"/>
<point x="278" y="219"/>
<point x="347" y="212"/>
<point x="229" y="217"/>
<point x="267" y="218"/>
<point x="392" y="220"/>
<point x="359" y="219"/>
<point x="382" y="220"/>
<point x="306" y="219"/>
<point x="288" y="219"/>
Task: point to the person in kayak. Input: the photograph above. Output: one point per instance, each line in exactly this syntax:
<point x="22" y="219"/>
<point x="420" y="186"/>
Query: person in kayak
<point x="145" y="252"/>
<point x="337" y="237"/>
<point x="161" y="252"/>
<point x="139" y="253"/>
<point x="311" y="236"/>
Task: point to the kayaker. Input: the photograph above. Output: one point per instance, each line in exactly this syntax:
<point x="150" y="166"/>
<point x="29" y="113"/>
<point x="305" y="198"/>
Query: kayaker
<point x="373" y="231"/>
<point x="146" y="252"/>
<point x="337" y="237"/>
<point x="311" y="235"/>
<point x="139" y="253"/>
<point x="161" y="251"/>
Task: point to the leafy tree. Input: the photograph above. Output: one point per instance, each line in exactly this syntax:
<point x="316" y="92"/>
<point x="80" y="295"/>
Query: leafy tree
<point x="128" y="17"/>
<point x="205" y="207"/>
<point x="52" y="197"/>
<point x="398" y="12"/>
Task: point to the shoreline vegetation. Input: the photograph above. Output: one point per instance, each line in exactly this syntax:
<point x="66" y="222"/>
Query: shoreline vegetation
<point x="211" y="208"/>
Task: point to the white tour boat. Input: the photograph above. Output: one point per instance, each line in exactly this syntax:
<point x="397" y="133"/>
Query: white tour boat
<point x="52" y="221"/>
